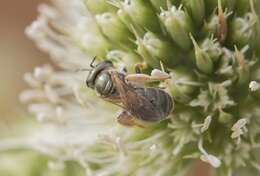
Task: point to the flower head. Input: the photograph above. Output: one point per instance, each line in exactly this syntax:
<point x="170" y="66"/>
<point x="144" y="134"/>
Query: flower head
<point x="210" y="55"/>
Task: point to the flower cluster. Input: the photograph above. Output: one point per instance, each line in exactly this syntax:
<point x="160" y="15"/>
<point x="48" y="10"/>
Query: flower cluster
<point x="211" y="49"/>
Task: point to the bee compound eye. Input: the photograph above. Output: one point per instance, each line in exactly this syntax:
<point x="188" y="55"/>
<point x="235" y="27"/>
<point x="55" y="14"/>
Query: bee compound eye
<point x="103" y="84"/>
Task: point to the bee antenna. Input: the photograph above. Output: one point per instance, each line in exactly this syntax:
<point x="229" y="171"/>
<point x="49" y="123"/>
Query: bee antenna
<point x="92" y="62"/>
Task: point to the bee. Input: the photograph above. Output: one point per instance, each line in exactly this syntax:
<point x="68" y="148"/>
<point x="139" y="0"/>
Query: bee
<point x="141" y="106"/>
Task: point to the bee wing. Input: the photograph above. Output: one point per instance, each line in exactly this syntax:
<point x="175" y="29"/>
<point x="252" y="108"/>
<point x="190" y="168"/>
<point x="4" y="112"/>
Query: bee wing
<point x="116" y="101"/>
<point x="136" y="104"/>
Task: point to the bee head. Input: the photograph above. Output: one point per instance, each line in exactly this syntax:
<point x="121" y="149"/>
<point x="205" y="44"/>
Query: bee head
<point x="96" y="70"/>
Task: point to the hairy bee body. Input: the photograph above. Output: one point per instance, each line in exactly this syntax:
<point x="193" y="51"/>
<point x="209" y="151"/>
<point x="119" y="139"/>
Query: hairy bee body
<point x="143" y="103"/>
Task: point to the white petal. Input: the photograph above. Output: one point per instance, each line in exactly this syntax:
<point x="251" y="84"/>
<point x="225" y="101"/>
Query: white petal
<point x="159" y="74"/>
<point x="254" y="86"/>
<point x="239" y="124"/>
<point x="206" y="124"/>
<point x="212" y="160"/>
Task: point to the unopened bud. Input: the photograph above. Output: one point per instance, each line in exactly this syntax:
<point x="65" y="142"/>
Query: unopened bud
<point x="196" y="9"/>
<point x="212" y="47"/>
<point x="203" y="61"/>
<point x="225" y="117"/>
<point x="161" y="49"/>
<point x="182" y="84"/>
<point x="128" y="58"/>
<point x="114" y="29"/>
<point x="210" y="26"/>
<point x="243" y="30"/>
<point x="225" y="67"/>
<point x="127" y="20"/>
<point x="142" y="14"/>
<point x="178" y="25"/>
<point x="242" y="69"/>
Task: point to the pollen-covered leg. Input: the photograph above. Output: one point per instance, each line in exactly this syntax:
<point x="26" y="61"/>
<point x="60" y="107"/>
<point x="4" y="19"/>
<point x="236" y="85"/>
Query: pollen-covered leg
<point x="126" y="119"/>
<point x="141" y="79"/>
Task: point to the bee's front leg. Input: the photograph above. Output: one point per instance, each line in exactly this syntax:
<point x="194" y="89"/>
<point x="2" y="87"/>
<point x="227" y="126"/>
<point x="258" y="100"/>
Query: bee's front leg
<point x="141" y="79"/>
<point x="126" y="119"/>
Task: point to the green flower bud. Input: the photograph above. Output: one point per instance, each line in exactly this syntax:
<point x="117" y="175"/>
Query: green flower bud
<point x="161" y="49"/>
<point x="196" y="9"/>
<point x="114" y="29"/>
<point x="225" y="117"/>
<point x="242" y="69"/>
<point x="127" y="20"/>
<point x="210" y="26"/>
<point x="243" y="30"/>
<point x="182" y="84"/>
<point x="148" y="58"/>
<point x="124" y="17"/>
<point x="128" y="58"/>
<point x="217" y="25"/>
<point x="225" y="68"/>
<point x="222" y="28"/>
<point x="99" y="6"/>
<point x="203" y="61"/>
<point x="94" y="44"/>
<point x="142" y="14"/>
<point x="212" y="47"/>
<point x="178" y="25"/>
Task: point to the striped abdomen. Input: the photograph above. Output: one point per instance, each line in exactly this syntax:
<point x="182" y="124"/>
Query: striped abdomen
<point x="161" y="100"/>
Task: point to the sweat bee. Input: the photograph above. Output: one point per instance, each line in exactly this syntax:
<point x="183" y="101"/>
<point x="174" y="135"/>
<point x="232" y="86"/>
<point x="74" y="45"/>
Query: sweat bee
<point x="140" y="105"/>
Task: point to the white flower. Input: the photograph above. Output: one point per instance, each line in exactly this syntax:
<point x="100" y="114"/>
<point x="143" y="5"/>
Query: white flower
<point x="205" y="125"/>
<point x="254" y="86"/>
<point x="211" y="159"/>
<point x="239" y="128"/>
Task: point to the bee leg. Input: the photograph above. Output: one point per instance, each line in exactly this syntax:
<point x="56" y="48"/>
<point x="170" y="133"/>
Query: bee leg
<point x="159" y="75"/>
<point x="138" y="79"/>
<point x="126" y="119"/>
<point x="141" y="79"/>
